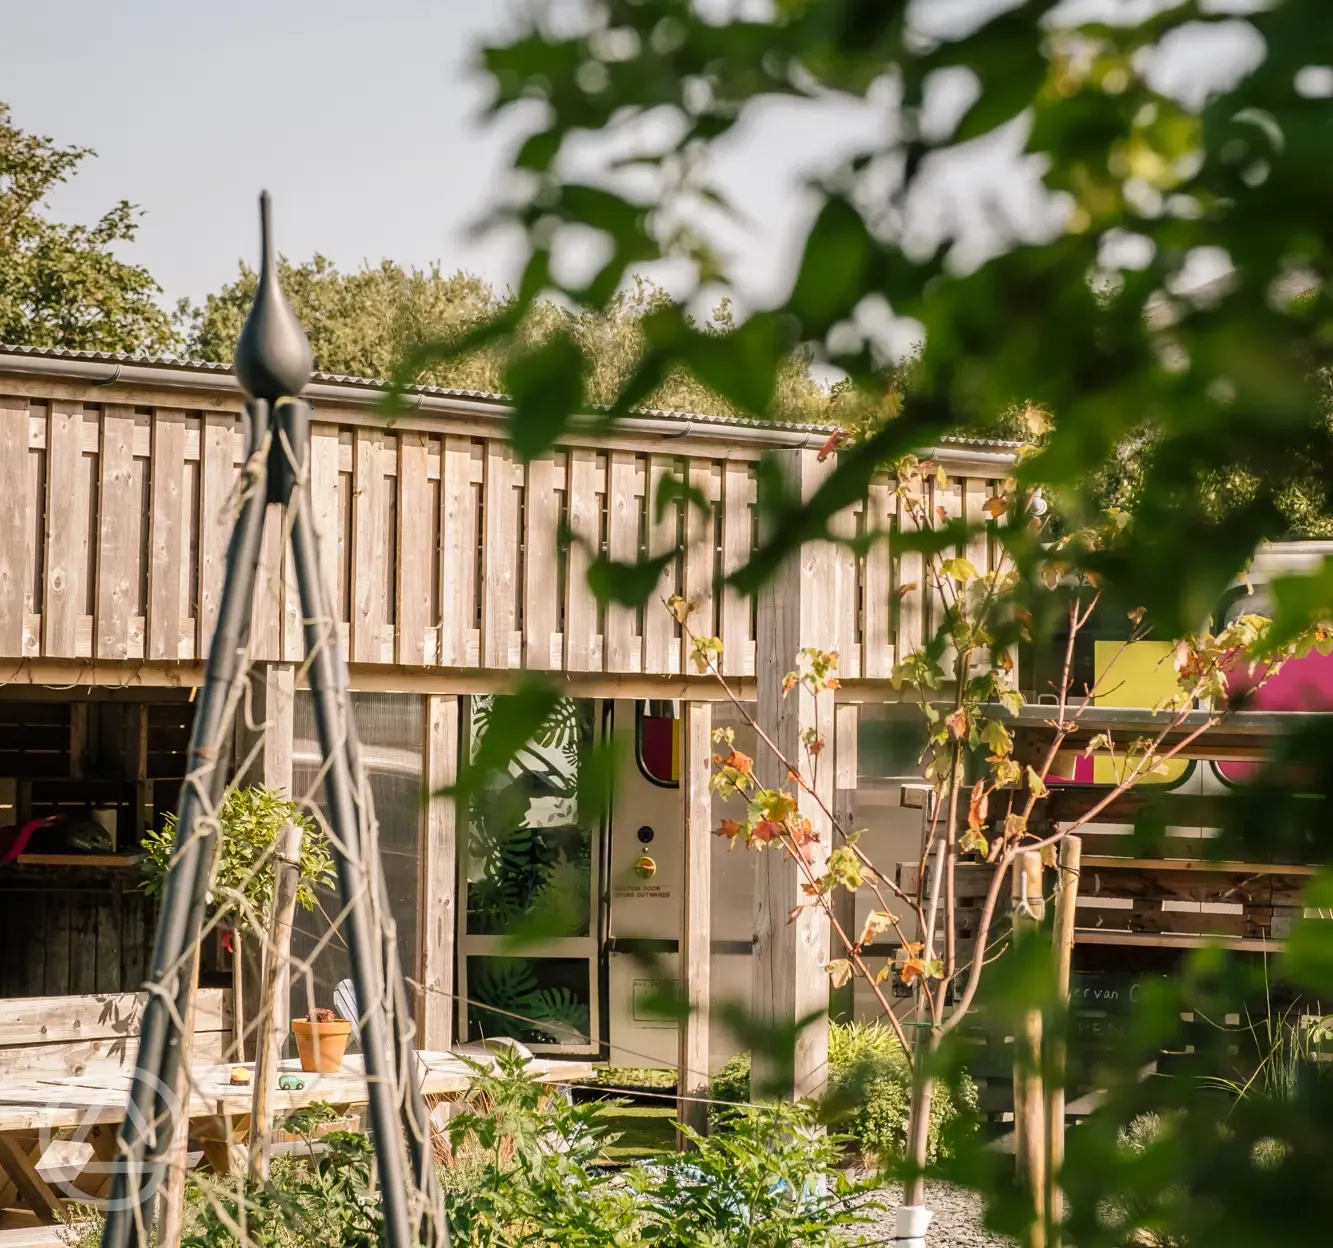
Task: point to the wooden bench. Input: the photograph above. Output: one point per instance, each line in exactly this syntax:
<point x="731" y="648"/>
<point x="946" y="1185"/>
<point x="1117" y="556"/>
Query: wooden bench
<point x="93" y="1038"/>
<point x="62" y="1036"/>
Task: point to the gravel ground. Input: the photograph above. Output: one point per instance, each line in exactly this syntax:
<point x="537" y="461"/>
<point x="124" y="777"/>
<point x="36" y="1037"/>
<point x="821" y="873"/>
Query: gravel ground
<point x="957" y="1222"/>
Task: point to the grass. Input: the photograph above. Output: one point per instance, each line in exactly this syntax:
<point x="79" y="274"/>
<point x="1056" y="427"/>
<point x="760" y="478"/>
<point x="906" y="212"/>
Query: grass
<point x="645" y="1131"/>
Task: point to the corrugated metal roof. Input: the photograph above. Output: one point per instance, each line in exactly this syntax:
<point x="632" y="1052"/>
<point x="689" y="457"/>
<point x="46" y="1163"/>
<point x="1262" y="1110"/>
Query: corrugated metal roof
<point x="223" y="370"/>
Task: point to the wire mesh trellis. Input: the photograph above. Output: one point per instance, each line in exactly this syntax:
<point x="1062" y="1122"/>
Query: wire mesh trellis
<point x="273" y="363"/>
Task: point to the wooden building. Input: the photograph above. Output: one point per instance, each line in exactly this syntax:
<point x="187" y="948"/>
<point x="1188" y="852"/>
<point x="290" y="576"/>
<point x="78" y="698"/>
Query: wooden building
<point x="442" y="555"/>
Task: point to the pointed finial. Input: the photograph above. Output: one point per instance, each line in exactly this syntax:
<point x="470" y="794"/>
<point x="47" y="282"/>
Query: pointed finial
<point x="273" y="356"/>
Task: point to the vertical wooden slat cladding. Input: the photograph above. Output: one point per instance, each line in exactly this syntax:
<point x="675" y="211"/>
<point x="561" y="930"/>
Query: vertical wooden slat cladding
<point x="700" y="554"/>
<point x="370" y="546"/>
<point x="581" y="639"/>
<point x="324" y="450"/>
<point x="541" y="562"/>
<point x="67" y="507"/>
<point x="738" y="492"/>
<point x="661" y="643"/>
<point x="458" y="555"/>
<point x="436" y="548"/>
<point x="217" y="476"/>
<point x="16" y="506"/>
<point x="623" y="646"/>
<point x="877" y="654"/>
<point x="119" y="537"/>
<point x="416" y="554"/>
<point x="500" y="557"/>
<point x="167" y="528"/>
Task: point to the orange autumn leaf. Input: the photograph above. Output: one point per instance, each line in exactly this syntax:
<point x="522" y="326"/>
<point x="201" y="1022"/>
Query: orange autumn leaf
<point x="740" y="762"/>
<point x="728" y="828"/>
<point x="976" y="807"/>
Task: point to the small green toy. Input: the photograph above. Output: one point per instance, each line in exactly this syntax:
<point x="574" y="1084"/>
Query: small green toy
<point x="290" y="1083"/>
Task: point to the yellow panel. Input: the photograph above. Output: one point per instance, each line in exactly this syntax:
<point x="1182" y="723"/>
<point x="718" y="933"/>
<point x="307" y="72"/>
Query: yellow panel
<point x="1137" y="674"/>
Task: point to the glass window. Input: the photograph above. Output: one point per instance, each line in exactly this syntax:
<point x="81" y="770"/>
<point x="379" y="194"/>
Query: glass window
<point x="527" y="940"/>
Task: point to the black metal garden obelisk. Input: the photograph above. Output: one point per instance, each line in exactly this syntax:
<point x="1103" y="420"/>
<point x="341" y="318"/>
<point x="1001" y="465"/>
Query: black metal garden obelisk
<point x="273" y="364"/>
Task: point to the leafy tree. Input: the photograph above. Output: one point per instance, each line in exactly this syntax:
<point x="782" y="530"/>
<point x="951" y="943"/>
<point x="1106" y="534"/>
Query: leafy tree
<point x="60" y="285"/>
<point x="1223" y="382"/>
<point x="367" y="323"/>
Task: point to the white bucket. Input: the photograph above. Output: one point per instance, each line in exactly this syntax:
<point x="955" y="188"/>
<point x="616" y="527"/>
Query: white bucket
<point x="911" y="1225"/>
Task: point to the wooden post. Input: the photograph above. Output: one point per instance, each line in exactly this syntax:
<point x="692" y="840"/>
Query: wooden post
<point x="1066" y="900"/>
<point x="842" y="1001"/>
<point x="695" y="913"/>
<point x="171" y="1202"/>
<point x="439" y="877"/>
<point x="272" y="1021"/>
<point x="790" y="983"/>
<point x="1029" y="1101"/>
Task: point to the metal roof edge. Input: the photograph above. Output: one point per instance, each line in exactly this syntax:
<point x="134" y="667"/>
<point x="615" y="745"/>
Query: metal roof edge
<point x="108" y="368"/>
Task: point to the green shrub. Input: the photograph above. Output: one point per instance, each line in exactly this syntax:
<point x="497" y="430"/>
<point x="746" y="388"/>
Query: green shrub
<point x="869" y="1094"/>
<point x="766" y="1177"/>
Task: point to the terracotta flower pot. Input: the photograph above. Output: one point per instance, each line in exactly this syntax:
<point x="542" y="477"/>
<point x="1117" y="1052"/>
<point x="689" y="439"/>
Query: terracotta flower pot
<point x="321" y="1046"/>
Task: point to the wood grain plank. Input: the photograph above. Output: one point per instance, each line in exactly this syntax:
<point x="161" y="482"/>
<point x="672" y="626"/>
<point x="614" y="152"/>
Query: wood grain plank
<point x="845" y="637"/>
<point x="624" y="519"/>
<point x="500" y="557"/>
<point x="37" y="1194"/>
<point x="661" y="641"/>
<point x="910" y="581"/>
<point x="166" y="534"/>
<point x="795" y="609"/>
<point x="700" y="558"/>
<point x="416" y="557"/>
<point x="216" y="481"/>
<point x="58" y="920"/>
<point x="696" y="936"/>
<point x="877" y="650"/>
<point x="541" y="560"/>
<point x="119" y="535"/>
<point x="266" y="617"/>
<point x="439" y="873"/>
<point x="66" y="531"/>
<point x="83" y="948"/>
<point x="107" y="975"/>
<point x="369" y="547"/>
<point x="324" y="454"/>
<point x="581" y="615"/>
<point x="458" y="553"/>
<point x="737" y="525"/>
<point x="16" y="506"/>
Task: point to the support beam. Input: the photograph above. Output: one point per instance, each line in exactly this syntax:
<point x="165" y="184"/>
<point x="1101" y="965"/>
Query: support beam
<point x="790" y="984"/>
<point x="439" y="877"/>
<point x="696" y="912"/>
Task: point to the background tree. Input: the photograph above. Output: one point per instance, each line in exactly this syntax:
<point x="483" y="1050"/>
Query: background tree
<point x="60" y="285"/>
<point x="369" y="322"/>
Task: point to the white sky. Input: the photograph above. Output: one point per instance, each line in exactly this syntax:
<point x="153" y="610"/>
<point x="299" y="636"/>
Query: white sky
<point x="363" y="120"/>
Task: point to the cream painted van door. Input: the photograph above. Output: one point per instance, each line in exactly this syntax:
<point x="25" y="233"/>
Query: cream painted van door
<point x="527" y="940"/>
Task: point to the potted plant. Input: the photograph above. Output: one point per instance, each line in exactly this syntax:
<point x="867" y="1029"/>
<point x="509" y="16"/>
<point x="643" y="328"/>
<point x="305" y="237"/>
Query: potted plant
<point x="321" y="1041"/>
<point x="250" y="820"/>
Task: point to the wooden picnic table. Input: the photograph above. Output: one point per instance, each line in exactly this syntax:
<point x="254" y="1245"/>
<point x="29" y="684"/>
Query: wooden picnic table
<point x="33" y="1108"/>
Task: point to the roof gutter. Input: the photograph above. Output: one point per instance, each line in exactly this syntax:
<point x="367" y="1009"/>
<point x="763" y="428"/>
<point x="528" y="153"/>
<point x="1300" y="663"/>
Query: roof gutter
<point x="114" y="372"/>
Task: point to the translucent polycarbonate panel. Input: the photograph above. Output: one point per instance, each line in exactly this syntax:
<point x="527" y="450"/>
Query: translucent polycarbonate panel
<point x="391" y="728"/>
